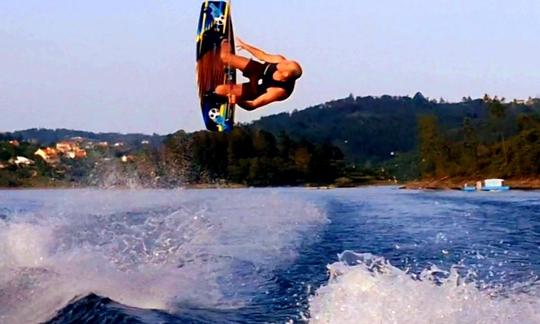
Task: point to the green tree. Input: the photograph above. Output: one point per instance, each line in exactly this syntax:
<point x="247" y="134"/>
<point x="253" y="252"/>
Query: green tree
<point x="470" y="147"/>
<point x="325" y="164"/>
<point x="432" y="152"/>
<point x="239" y="151"/>
<point x="498" y="112"/>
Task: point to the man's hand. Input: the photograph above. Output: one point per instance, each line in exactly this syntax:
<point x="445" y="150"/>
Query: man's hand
<point x="258" y="53"/>
<point x="240" y="44"/>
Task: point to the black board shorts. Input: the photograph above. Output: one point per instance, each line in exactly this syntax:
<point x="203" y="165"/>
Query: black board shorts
<point x="254" y="71"/>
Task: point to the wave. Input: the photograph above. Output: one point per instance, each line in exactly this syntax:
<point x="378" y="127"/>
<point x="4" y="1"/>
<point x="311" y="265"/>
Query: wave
<point x="97" y="309"/>
<point x="364" y="288"/>
<point x="147" y="249"/>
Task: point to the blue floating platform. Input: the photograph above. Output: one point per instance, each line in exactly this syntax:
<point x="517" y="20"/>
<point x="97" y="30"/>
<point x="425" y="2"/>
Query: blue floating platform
<point x="501" y="188"/>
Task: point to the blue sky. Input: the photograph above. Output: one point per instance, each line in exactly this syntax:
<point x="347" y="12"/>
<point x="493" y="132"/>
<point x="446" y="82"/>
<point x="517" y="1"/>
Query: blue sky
<point x="128" y="65"/>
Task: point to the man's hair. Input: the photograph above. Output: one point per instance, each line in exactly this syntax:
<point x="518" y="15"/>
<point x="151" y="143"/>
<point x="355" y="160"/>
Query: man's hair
<point x="209" y="71"/>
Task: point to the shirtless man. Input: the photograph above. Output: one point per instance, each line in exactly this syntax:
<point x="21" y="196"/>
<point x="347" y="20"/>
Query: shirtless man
<point x="269" y="82"/>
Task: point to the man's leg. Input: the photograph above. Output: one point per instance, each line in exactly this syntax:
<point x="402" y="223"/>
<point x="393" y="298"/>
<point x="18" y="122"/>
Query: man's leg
<point x="241" y="105"/>
<point x="230" y="59"/>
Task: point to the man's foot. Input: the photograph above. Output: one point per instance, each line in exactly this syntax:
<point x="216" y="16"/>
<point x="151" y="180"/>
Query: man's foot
<point x="225" y="41"/>
<point x="225" y="49"/>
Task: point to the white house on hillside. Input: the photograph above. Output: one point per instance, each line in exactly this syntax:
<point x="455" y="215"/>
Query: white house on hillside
<point x="21" y="161"/>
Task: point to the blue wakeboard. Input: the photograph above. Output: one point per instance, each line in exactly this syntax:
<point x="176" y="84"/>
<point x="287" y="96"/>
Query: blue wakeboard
<point x="215" y="25"/>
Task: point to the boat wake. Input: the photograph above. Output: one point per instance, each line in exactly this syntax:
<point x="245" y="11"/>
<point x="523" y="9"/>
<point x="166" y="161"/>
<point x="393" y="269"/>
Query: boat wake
<point x="146" y="250"/>
<point x="364" y="288"/>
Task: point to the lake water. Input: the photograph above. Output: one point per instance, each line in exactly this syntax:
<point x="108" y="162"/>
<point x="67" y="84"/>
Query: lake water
<point x="368" y="255"/>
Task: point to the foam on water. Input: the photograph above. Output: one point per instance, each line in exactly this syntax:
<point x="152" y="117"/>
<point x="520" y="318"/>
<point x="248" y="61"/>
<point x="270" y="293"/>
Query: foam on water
<point x="146" y="249"/>
<point x="367" y="289"/>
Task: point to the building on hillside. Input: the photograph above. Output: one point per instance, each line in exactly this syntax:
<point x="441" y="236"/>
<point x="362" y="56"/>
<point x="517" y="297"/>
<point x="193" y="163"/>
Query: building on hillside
<point x="71" y="150"/>
<point x="531" y="101"/>
<point x="15" y="143"/>
<point x="77" y="154"/>
<point x="42" y="154"/>
<point x="118" y="144"/>
<point x="127" y="158"/>
<point x="80" y="154"/>
<point x="49" y="155"/>
<point x="103" y="144"/>
<point x="89" y="145"/>
<point x="145" y="142"/>
<point x="21" y="161"/>
<point x="66" y="146"/>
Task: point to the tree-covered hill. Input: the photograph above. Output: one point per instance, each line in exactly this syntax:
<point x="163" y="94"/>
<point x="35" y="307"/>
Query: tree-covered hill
<point x="353" y="140"/>
<point x="45" y="137"/>
<point x="506" y="144"/>
<point x="371" y="128"/>
<point x="366" y="129"/>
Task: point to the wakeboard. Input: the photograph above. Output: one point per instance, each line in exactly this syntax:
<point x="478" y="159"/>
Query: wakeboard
<point x="215" y="25"/>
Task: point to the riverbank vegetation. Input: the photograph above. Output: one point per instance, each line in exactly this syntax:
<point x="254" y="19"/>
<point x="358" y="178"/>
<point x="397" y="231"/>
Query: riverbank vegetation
<point x="505" y="144"/>
<point x="346" y="142"/>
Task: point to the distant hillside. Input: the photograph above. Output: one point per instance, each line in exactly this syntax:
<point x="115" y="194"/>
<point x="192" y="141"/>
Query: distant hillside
<point x="370" y="128"/>
<point x="366" y="129"/>
<point x="48" y="136"/>
<point x="342" y="142"/>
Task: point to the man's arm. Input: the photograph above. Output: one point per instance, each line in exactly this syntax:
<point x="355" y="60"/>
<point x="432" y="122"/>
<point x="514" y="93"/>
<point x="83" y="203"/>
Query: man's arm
<point x="260" y="54"/>
<point x="270" y="96"/>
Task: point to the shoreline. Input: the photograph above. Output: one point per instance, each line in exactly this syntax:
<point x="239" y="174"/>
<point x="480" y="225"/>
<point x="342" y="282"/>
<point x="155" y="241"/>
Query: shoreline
<point x="197" y="186"/>
<point x="447" y="183"/>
